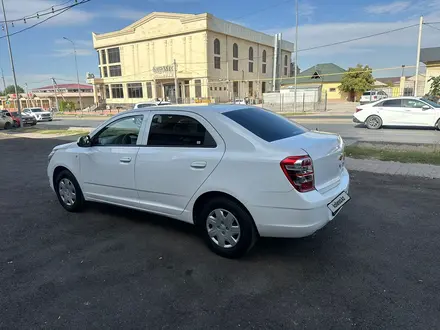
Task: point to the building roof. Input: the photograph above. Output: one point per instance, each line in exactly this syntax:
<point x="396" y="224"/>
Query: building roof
<point x="176" y="24"/>
<point x="387" y="80"/>
<point x="324" y="72"/>
<point x="64" y="86"/>
<point x="430" y="54"/>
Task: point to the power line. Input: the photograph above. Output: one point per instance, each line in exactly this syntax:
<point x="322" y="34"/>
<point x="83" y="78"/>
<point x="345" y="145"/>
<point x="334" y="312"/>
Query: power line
<point x="37" y="13"/>
<point x="431" y="26"/>
<point x="359" y="38"/>
<point x="48" y="18"/>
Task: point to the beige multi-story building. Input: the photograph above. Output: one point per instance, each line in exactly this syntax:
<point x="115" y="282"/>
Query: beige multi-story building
<point x="215" y="60"/>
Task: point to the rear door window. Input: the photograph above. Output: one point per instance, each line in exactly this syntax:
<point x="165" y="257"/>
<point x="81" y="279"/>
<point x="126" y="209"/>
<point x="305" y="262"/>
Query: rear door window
<point x="265" y="124"/>
<point x="395" y="103"/>
<point x="178" y="131"/>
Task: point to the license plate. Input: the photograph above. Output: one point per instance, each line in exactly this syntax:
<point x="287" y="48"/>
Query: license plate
<point x="336" y="204"/>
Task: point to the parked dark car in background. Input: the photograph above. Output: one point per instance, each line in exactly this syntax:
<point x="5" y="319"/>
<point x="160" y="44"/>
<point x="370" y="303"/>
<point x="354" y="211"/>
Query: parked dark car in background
<point x="27" y="120"/>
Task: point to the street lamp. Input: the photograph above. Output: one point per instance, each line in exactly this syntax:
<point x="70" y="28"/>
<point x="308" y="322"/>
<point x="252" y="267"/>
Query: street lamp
<point x="77" y="74"/>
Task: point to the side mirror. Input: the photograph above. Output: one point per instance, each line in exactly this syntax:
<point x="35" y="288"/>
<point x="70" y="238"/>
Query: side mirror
<point x="84" y="142"/>
<point x="426" y="107"/>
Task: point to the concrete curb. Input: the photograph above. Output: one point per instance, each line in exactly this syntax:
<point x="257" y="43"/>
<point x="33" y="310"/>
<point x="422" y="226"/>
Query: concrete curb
<point x="393" y="168"/>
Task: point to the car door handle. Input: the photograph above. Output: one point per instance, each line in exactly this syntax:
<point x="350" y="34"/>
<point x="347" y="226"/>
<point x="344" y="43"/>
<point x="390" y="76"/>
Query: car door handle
<point x="198" y="164"/>
<point x="125" y="160"/>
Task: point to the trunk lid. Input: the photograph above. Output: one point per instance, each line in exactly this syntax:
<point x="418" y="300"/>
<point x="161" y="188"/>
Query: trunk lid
<point x="326" y="151"/>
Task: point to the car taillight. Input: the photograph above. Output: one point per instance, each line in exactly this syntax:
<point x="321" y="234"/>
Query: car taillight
<point x="375" y="97"/>
<point x="299" y="172"/>
<point x="358" y="109"/>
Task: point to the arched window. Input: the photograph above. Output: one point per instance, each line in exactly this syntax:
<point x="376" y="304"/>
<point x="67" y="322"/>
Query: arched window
<point x="217" y="47"/>
<point x="235" y="57"/>
<point x="217" y="54"/>
<point x="263" y="69"/>
<point x="285" y="64"/>
<point x="285" y="60"/>
<point x="251" y="59"/>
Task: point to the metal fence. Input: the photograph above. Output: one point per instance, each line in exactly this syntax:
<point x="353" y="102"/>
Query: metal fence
<point x="284" y="101"/>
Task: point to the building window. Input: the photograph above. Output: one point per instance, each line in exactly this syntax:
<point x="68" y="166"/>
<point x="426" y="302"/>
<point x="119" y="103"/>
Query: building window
<point x="107" y="92"/>
<point x="235" y="57"/>
<point x="198" y="87"/>
<point x="224" y="88"/>
<point x="135" y="90"/>
<point x="117" y="91"/>
<point x="251" y="59"/>
<point x="285" y="65"/>
<point x="235" y="88"/>
<point x="215" y="88"/>
<point x="263" y="69"/>
<point x="217" y="53"/>
<point x="217" y="62"/>
<point x="149" y="90"/>
<point x="103" y="57"/>
<point x="186" y="82"/>
<point x="210" y="88"/>
<point x="113" y="55"/>
<point x="263" y="87"/>
<point x="115" y="71"/>
<point x="332" y="90"/>
<point x="104" y="72"/>
<point x="99" y="57"/>
<point x="251" y="88"/>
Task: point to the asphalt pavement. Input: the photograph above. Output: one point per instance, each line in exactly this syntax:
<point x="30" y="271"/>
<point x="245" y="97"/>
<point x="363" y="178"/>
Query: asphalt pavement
<point x="342" y="125"/>
<point x="375" y="266"/>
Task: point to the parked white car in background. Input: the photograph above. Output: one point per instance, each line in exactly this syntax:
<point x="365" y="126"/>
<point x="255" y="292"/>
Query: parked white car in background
<point x="237" y="172"/>
<point x="39" y="114"/>
<point x="150" y="104"/>
<point x="372" y="96"/>
<point x="400" y="111"/>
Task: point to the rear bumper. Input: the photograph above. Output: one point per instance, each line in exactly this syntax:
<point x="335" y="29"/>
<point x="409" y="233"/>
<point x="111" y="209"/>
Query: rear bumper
<point x="357" y="121"/>
<point x="288" y="222"/>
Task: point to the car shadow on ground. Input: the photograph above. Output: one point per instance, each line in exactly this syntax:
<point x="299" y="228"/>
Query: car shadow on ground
<point x="388" y="127"/>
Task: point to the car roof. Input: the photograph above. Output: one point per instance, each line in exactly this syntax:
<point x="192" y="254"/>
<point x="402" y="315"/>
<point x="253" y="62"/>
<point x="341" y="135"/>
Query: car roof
<point x="221" y="108"/>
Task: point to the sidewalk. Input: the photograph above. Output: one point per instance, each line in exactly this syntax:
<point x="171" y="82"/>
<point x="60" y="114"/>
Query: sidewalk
<point x="393" y="168"/>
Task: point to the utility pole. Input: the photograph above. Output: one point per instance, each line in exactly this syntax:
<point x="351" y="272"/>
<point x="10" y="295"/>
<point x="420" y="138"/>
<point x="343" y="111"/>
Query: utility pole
<point x="77" y="74"/>
<point x="296" y="50"/>
<point x="275" y="62"/>
<point x="176" y="85"/>
<point x="3" y="78"/>
<point x="27" y="95"/>
<point x="419" y="42"/>
<point x="12" y="65"/>
<point x="55" y="93"/>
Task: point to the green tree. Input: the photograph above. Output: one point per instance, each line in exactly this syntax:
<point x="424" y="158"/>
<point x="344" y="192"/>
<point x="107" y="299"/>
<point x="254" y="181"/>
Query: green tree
<point x="357" y="80"/>
<point x="11" y="90"/>
<point x="66" y="106"/>
<point x="435" y="86"/>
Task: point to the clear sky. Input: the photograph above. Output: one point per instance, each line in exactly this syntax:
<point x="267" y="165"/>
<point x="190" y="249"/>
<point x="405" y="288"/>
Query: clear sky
<point x="41" y="52"/>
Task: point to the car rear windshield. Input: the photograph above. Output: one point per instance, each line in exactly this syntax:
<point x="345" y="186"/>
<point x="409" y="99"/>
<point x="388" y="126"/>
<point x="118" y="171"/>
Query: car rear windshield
<point x="15" y="114"/>
<point x="265" y="124"/>
<point x="367" y="93"/>
<point x="36" y="110"/>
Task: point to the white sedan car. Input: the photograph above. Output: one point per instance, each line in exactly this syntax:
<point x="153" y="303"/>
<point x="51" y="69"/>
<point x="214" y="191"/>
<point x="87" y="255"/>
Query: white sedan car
<point x="237" y="172"/>
<point x="400" y="111"/>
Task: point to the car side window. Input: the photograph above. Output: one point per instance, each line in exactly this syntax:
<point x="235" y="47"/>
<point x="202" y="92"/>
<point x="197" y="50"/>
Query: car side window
<point x="178" y="131"/>
<point x="122" y="132"/>
<point x="410" y="103"/>
<point x="395" y="103"/>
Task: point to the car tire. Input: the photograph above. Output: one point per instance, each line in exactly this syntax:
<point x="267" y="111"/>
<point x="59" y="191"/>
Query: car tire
<point x="69" y="192"/>
<point x="437" y="125"/>
<point x="373" y="122"/>
<point x="227" y="227"/>
<point x="7" y="125"/>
